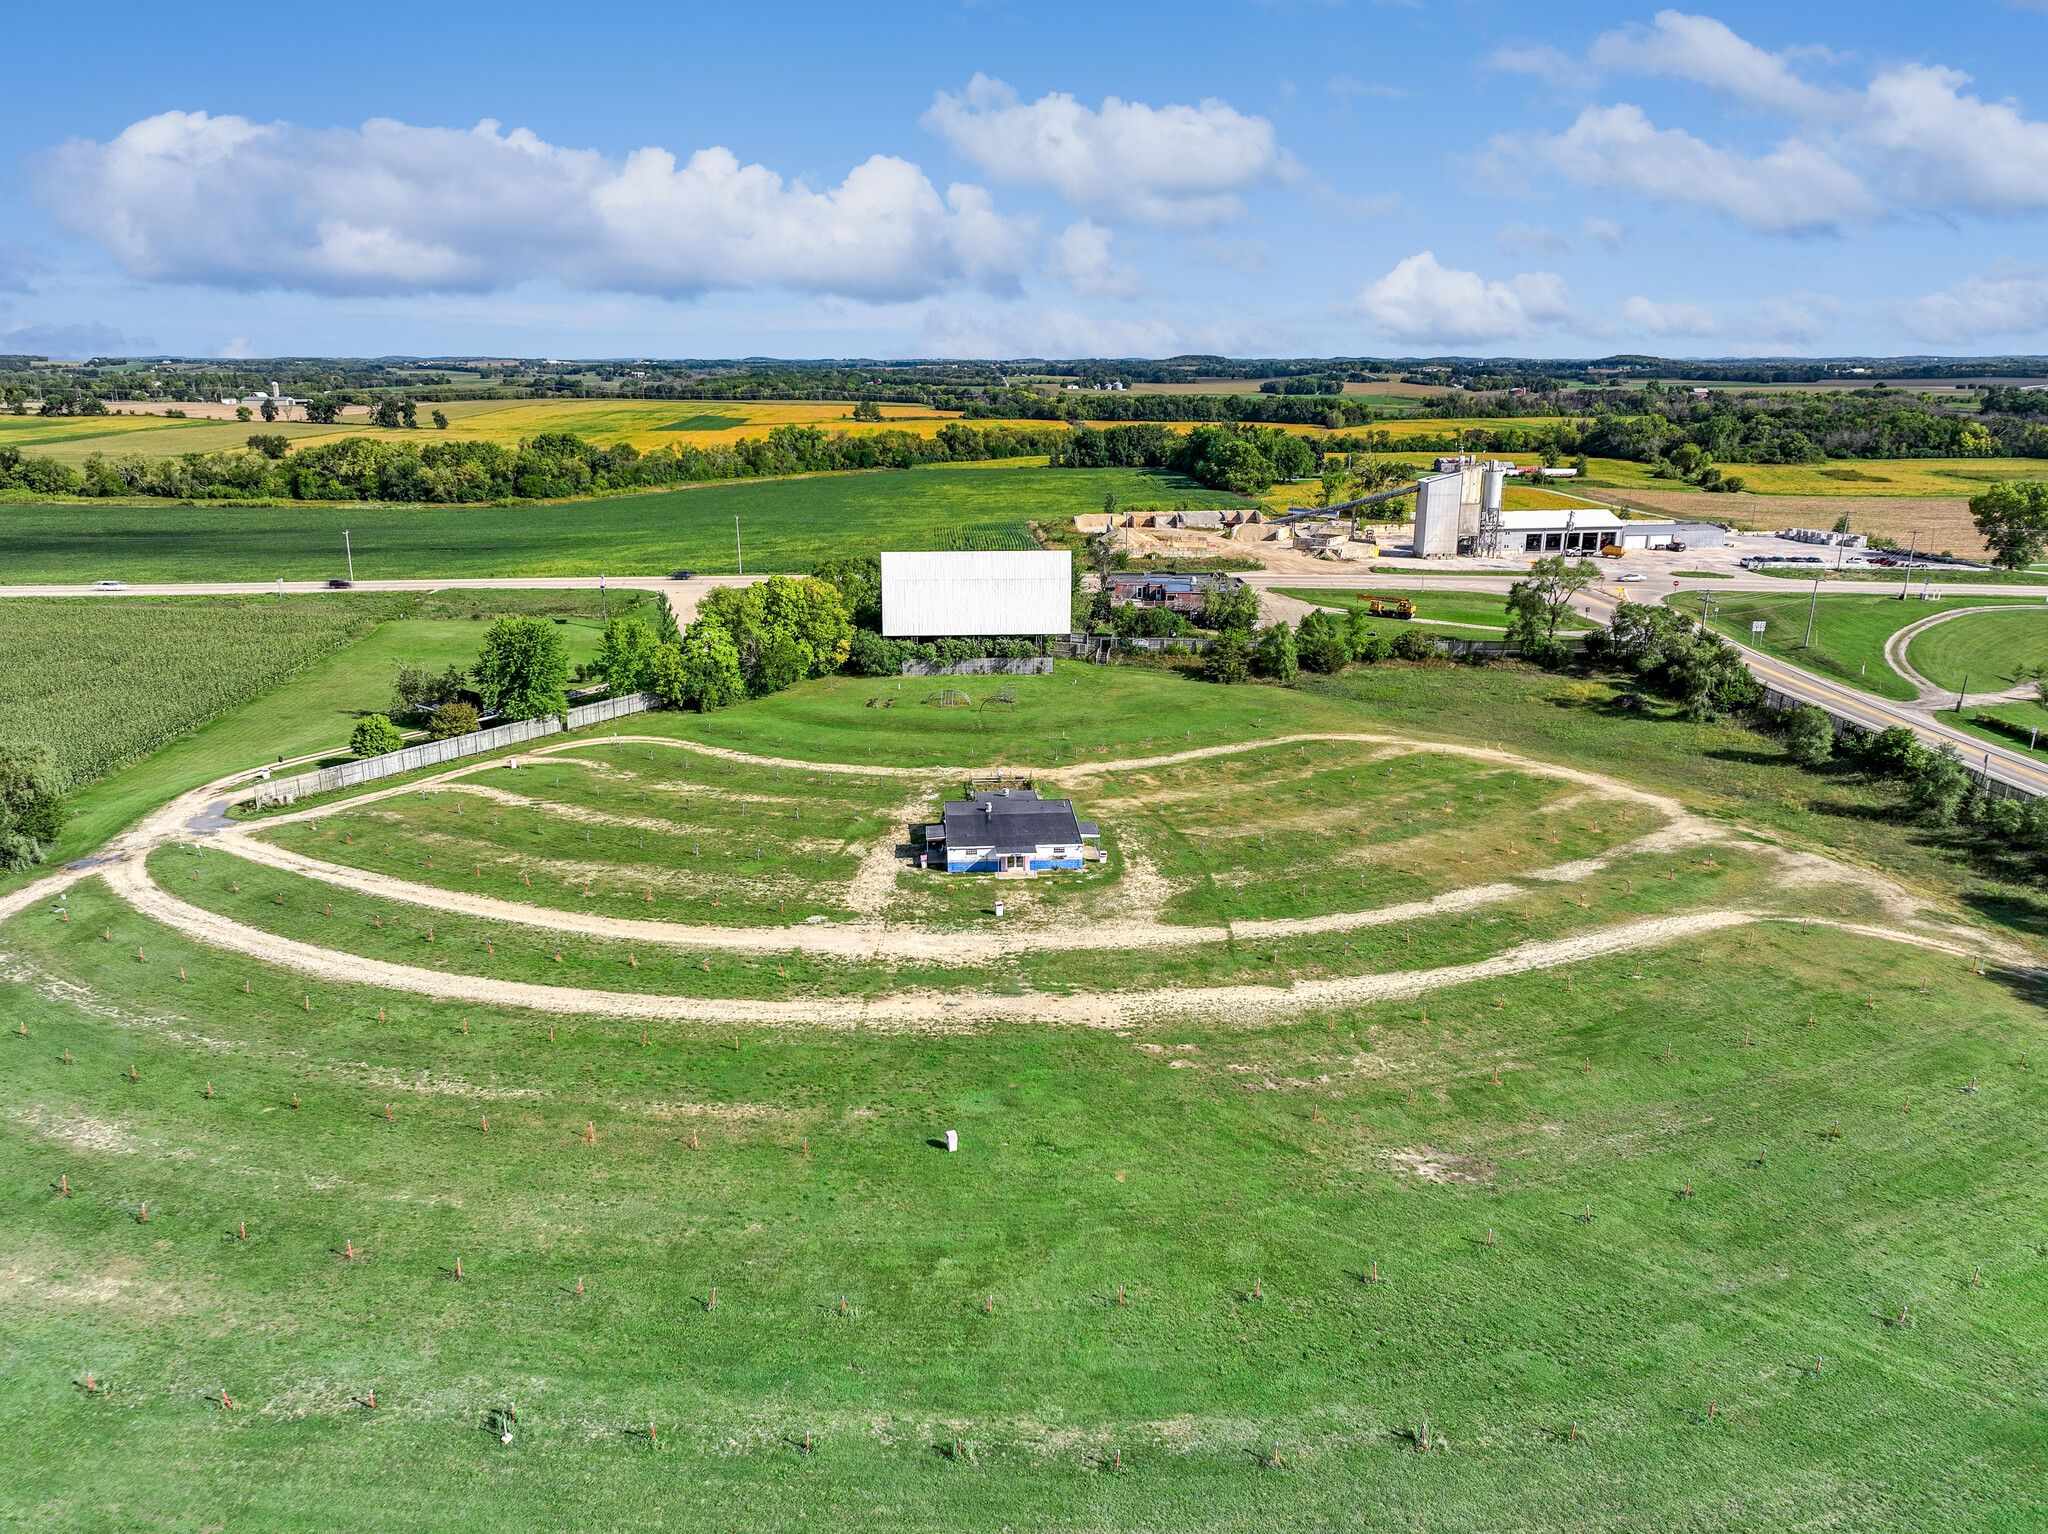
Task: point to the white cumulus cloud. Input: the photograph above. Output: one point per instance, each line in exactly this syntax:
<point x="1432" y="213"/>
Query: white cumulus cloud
<point x="1423" y="301"/>
<point x="1708" y="52"/>
<point x="2008" y="298"/>
<point x="1912" y="140"/>
<point x="1796" y="188"/>
<point x="185" y="197"/>
<point x="1601" y="232"/>
<point x="1181" y="166"/>
<point x="1080" y="257"/>
<point x="1673" y="319"/>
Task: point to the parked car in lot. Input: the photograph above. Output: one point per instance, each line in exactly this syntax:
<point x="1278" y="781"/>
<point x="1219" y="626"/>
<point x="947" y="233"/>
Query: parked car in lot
<point x="336" y="583"/>
<point x="109" y="585"/>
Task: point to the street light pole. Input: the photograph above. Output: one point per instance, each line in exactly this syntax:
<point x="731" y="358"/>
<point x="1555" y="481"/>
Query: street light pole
<point x="1807" y="642"/>
<point x="737" y="554"/>
<point x="603" y="601"/>
<point x="1906" y="585"/>
<point x="350" y="554"/>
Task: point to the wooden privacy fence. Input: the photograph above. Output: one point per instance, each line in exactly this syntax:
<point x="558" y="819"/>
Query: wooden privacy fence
<point x="432" y="753"/>
<point x="988" y="665"/>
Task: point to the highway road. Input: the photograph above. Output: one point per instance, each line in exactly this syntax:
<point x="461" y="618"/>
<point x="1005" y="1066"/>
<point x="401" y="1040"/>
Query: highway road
<point x="2008" y="765"/>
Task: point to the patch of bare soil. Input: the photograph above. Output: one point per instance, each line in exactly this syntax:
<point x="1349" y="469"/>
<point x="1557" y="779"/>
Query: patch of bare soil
<point x="1440" y="1166"/>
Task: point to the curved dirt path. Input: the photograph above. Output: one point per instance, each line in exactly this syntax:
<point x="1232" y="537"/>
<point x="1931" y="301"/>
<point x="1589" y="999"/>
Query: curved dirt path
<point x="915" y="1011"/>
<point x="881" y="940"/>
<point x="907" y="1010"/>
<point x="1932" y="698"/>
<point x="864" y="939"/>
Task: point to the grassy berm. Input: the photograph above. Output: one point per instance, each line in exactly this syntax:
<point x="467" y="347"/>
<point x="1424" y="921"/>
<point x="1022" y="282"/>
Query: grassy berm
<point x="1691" y="1263"/>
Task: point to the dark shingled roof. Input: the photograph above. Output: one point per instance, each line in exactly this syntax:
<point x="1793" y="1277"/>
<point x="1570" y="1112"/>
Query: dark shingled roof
<point x="1011" y="821"/>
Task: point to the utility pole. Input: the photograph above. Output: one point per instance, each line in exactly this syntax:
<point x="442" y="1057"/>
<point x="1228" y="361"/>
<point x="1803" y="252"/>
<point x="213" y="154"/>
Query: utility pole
<point x="742" y="558"/>
<point x="603" y="601"/>
<point x="1906" y="585"/>
<point x="1964" y="694"/>
<point x="349" y="554"/>
<point x="1807" y="642"/>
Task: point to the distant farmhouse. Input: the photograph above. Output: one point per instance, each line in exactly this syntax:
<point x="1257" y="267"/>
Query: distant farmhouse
<point x="983" y="594"/>
<point x="1007" y="830"/>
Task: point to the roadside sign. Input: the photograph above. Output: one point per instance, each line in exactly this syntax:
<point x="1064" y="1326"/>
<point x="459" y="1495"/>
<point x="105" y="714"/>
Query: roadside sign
<point x="1757" y="627"/>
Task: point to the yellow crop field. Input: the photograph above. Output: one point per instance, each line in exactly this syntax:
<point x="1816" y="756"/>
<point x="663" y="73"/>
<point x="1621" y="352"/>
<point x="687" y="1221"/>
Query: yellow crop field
<point x="647" y="424"/>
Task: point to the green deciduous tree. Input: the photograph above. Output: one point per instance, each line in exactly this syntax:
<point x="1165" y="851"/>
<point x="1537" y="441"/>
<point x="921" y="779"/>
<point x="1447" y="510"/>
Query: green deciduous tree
<point x="31" y="805"/>
<point x="1226" y="660"/>
<point x="1324" y="643"/>
<point x="1230" y="607"/>
<point x="700" y="672"/>
<point x="415" y="688"/>
<point x="623" y="653"/>
<point x="451" y="719"/>
<point x="374" y="735"/>
<point x="1809" y="735"/>
<point x="1274" y="655"/>
<point x="522" y="668"/>
<point x="2013" y="519"/>
<point x="1536" y="605"/>
<point x="441" y="420"/>
<point x="783" y="630"/>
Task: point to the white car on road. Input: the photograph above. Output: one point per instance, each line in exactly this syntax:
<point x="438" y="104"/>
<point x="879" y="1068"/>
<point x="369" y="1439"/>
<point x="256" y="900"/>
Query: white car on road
<point x="109" y="585"/>
<point x="1633" y="575"/>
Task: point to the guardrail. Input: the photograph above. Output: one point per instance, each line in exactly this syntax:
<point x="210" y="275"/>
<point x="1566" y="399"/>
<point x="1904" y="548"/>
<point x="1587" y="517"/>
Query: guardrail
<point x="434" y="752"/>
<point x="1993" y="786"/>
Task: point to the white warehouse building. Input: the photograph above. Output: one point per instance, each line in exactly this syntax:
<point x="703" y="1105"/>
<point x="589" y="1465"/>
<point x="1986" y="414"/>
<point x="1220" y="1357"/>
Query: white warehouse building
<point x="980" y="594"/>
<point x="1459" y="508"/>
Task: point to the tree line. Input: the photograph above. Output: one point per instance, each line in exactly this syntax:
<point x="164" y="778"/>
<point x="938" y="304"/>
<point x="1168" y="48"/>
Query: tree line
<point x="551" y="466"/>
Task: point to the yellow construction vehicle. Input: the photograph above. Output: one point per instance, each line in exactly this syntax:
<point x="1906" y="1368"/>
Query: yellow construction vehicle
<point x="1400" y="608"/>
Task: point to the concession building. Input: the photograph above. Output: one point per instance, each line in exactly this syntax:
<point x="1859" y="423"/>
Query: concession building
<point x="1007" y="830"/>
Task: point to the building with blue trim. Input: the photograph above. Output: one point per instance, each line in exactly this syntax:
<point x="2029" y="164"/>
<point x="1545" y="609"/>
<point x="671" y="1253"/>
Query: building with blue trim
<point x="1007" y="830"/>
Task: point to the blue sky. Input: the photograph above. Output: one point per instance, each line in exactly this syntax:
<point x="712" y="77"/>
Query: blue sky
<point x="999" y="179"/>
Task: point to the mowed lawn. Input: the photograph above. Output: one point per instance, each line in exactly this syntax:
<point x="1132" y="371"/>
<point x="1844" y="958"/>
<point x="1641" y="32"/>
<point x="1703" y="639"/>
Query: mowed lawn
<point x="1849" y="633"/>
<point x="1689" y="1263"/>
<point x="1469" y="609"/>
<point x="785" y="525"/>
<point x="1986" y="652"/>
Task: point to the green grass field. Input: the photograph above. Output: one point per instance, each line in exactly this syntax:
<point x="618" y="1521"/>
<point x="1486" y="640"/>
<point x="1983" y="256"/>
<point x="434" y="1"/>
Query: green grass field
<point x="1849" y="633"/>
<point x="1238" y="834"/>
<point x="785" y="525"/>
<point x="1985" y="651"/>
<point x="1467" y="608"/>
<point x="1593" y="1226"/>
<point x="1134" y="1283"/>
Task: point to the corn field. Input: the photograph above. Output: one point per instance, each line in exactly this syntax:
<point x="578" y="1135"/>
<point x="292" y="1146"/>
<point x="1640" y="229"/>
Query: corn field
<point x="101" y="682"/>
